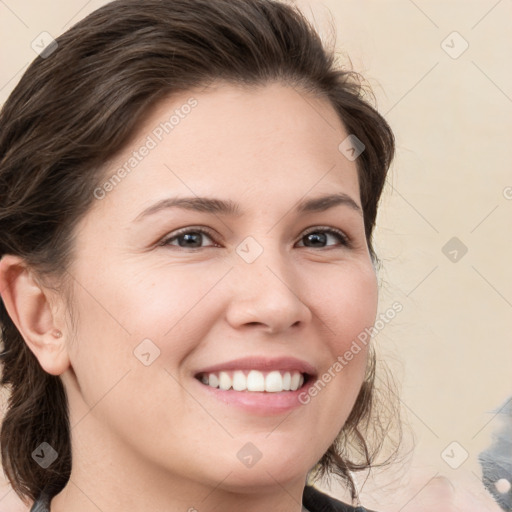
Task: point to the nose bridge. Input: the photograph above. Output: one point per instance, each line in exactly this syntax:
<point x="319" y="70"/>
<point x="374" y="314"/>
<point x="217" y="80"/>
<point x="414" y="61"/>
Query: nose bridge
<point x="265" y="289"/>
<point x="263" y="259"/>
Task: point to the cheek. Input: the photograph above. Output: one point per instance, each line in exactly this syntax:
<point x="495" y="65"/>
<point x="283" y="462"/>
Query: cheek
<point x="355" y="316"/>
<point x="164" y="297"/>
<point x="346" y="303"/>
<point x="159" y="304"/>
<point x="115" y="331"/>
<point x="346" y="309"/>
<point x="126" y="320"/>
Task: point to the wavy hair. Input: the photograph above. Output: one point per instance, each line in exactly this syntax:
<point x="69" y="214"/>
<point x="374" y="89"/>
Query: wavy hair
<point x="77" y="106"/>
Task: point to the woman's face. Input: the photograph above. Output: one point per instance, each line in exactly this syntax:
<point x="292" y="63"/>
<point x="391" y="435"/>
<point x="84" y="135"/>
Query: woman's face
<point x="168" y="296"/>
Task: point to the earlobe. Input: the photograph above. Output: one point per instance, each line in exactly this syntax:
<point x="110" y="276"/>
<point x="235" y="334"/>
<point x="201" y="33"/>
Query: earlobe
<point x="27" y="303"/>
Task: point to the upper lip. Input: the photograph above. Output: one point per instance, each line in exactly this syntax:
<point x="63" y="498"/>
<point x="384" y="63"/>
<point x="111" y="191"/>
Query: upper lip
<point x="262" y="364"/>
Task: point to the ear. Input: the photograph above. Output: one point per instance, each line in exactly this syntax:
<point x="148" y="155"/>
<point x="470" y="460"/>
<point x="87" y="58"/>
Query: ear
<point x="28" y="304"/>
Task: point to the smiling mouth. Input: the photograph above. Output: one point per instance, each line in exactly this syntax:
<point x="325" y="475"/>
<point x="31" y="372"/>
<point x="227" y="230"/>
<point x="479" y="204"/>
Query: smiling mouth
<point x="275" y="381"/>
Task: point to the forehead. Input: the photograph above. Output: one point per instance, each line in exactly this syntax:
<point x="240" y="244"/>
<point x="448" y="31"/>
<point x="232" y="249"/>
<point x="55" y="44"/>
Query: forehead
<point x="271" y="142"/>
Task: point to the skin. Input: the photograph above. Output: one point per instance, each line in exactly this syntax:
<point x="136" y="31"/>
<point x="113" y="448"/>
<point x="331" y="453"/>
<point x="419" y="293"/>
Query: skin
<point x="149" y="437"/>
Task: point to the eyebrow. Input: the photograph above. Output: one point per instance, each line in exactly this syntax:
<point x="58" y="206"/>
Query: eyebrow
<point x="230" y="208"/>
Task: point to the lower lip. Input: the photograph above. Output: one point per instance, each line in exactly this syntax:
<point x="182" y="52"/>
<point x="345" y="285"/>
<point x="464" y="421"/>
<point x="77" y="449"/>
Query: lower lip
<point x="259" y="402"/>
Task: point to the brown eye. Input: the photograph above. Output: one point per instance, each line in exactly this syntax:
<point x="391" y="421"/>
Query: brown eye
<point x="187" y="238"/>
<point x="319" y="237"/>
<point x="192" y="238"/>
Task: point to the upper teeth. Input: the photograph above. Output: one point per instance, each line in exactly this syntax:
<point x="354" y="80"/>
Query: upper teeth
<point x="255" y="380"/>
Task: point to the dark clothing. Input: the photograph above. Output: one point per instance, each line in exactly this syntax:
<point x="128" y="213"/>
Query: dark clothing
<point x="316" y="501"/>
<point x="312" y="499"/>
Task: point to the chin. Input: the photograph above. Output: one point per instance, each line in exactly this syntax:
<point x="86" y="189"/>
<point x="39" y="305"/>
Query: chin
<point x="260" y="476"/>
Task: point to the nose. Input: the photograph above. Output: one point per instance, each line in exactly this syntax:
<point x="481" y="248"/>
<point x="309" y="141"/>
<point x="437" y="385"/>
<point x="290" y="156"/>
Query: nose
<point x="265" y="295"/>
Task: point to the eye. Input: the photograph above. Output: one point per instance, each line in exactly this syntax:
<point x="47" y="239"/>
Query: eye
<point x="319" y="235"/>
<point x="191" y="238"/>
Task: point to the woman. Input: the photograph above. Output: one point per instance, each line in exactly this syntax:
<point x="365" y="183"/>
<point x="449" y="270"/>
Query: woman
<point x="189" y="191"/>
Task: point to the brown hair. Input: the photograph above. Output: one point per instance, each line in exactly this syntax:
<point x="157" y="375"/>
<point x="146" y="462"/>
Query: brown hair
<point x="75" y="108"/>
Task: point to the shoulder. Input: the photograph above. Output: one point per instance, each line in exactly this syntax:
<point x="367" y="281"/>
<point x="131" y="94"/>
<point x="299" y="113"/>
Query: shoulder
<point x="317" y="501"/>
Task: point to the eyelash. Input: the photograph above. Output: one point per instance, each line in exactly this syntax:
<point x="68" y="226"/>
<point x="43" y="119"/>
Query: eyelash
<point x="344" y="239"/>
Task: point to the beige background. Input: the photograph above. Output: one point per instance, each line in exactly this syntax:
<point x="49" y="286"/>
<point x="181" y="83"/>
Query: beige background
<point x="451" y="346"/>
